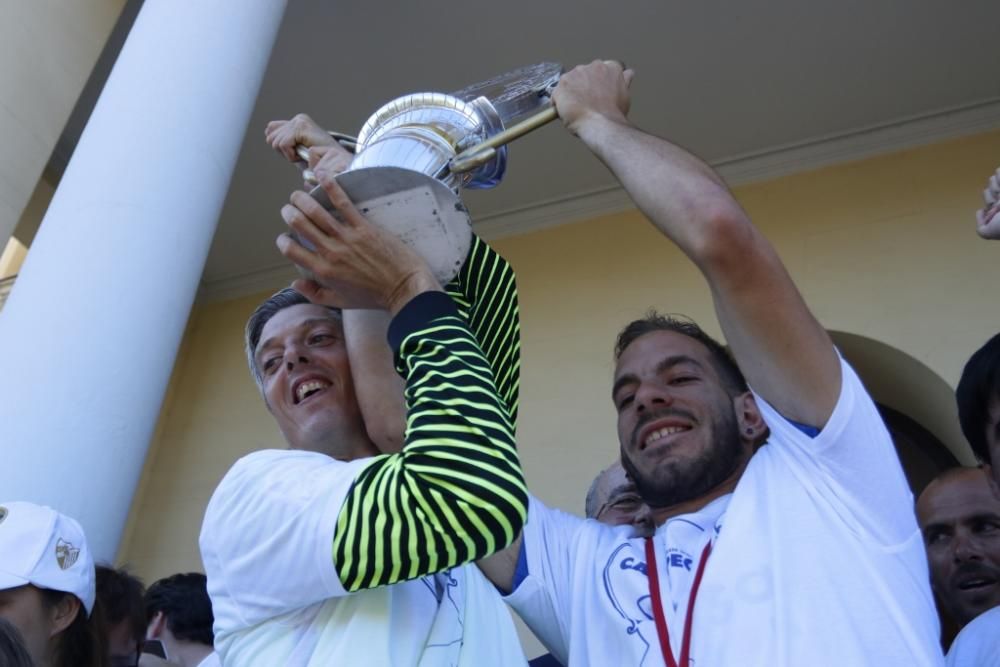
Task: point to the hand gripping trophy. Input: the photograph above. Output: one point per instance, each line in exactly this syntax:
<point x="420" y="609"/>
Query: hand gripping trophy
<point x="415" y="154"/>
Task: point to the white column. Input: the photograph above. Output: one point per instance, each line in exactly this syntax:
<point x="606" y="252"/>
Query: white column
<point x="89" y="335"/>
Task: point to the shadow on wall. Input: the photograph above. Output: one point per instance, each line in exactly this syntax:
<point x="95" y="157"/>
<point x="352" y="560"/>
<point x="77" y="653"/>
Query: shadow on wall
<point x="916" y="404"/>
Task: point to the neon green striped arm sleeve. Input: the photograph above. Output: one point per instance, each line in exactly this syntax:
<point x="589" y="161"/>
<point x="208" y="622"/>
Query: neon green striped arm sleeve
<point x="455" y="493"/>
<point x="485" y="292"/>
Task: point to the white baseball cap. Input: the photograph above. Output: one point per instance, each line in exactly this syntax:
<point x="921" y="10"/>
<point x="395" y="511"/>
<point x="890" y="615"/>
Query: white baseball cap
<point x="42" y="547"/>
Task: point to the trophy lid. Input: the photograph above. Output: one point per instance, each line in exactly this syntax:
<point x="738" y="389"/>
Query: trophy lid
<point x="423" y="131"/>
<point x="516" y="94"/>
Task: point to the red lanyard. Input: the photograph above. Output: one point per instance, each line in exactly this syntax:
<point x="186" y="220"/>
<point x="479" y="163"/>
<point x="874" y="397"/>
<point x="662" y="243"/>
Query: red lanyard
<point x="661" y="620"/>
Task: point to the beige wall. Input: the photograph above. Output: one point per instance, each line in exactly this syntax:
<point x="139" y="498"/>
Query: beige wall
<point x="47" y="50"/>
<point x="882" y="249"/>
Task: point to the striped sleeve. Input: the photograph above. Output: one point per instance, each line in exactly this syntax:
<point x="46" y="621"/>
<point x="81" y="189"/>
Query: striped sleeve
<point x="455" y="493"/>
<point x="485" y="292"/>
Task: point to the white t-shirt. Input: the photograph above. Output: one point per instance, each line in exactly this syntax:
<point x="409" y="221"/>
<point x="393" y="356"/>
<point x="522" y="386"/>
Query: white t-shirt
<point x="978" y="644"/>
<point x="211" y="660"/>
<point x="817" y="560"/>
<point x="267" y="545"/>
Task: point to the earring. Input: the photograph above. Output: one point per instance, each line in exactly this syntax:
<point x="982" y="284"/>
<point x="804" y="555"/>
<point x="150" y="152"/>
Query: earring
<point x="749" y="431"/>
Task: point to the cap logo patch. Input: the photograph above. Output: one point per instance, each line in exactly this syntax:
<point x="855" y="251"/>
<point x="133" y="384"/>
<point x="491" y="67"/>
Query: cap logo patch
<point x="3" y="514"/>
<point x="66" y="554"/>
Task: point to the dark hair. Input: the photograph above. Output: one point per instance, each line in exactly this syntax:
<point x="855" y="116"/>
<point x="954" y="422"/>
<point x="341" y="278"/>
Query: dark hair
<point x="121" y="593"/>
<point x="980" y="382"/>
<point x="12" y="650"/>
<point x="184" y="601"/>
<point x="730" y="374"/>
<point x="255" y="325"/>
<point x="83" y="643"/>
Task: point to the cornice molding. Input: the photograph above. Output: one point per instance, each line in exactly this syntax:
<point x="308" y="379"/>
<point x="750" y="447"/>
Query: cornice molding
<point x="269" y="279"/>
<point x="737" y="170"/>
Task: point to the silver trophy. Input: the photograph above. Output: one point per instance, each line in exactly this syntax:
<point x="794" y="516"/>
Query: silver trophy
<point x="415" y="154"/>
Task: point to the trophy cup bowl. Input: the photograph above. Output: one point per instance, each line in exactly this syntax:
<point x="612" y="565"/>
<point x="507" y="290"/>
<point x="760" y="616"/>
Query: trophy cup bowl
<point x="406" y="175"/>
<point x="393" y="180"/>
<point x="424" y="131"/>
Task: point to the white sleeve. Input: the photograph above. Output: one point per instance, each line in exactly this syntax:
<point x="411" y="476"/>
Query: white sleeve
<point x="543" y="598"/>
<point x="978" y="644"/>
<point x="267" y="538"/>
<point x="852" y="461"/>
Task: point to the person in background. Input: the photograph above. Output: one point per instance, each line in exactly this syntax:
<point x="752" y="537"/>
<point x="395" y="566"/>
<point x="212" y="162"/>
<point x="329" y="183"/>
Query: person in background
<point x="978" y="398"/>
<point x="178" y="613"/>
<point x="959" y="515"/>
<point x="120" y="594"/>
<point x="47" y="586"/>
<point x="613" y="500"/>
<point x="960" y="520"/>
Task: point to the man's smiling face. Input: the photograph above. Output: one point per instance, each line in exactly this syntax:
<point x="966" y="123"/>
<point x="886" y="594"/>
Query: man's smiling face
<point x="676" y="423"/>
<point x="307" y="381"/>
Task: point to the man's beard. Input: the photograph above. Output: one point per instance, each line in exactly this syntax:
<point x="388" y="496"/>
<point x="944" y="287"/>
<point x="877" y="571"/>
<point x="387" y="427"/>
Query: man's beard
<point x="679" y="481"/>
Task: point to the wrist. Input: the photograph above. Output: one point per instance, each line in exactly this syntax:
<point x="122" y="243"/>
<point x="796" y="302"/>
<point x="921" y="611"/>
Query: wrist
<point x="594" y="127"/>
<point x="411" y="285"/>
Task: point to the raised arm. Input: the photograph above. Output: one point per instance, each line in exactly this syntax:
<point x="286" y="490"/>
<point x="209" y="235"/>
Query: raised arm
<point x="377" y="386"/>
<point x="784" y="353"/>
<point x="455" y="492"/>
<point x="486" y="295"/>
<point x="484" y="291"/>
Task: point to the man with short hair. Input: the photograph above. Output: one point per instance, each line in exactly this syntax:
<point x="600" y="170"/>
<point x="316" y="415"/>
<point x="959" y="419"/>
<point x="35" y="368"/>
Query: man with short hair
<point x="960" y="519"/>
<point x="785" y="529"/>
<point x="120" y="593"/>
<point x="178" y="614"/>
<point x="613" y="500"/>
<point x="327" y="552"/>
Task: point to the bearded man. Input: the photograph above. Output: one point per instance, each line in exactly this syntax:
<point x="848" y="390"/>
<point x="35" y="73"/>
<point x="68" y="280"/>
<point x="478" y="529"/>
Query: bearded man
<point x="785" y="528"/>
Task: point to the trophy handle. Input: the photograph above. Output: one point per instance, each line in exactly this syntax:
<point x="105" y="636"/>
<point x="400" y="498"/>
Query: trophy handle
<point x="483" y="152"/>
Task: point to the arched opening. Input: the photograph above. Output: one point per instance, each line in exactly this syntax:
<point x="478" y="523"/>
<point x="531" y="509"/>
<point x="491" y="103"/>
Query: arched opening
<point x="916" y="404"/>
